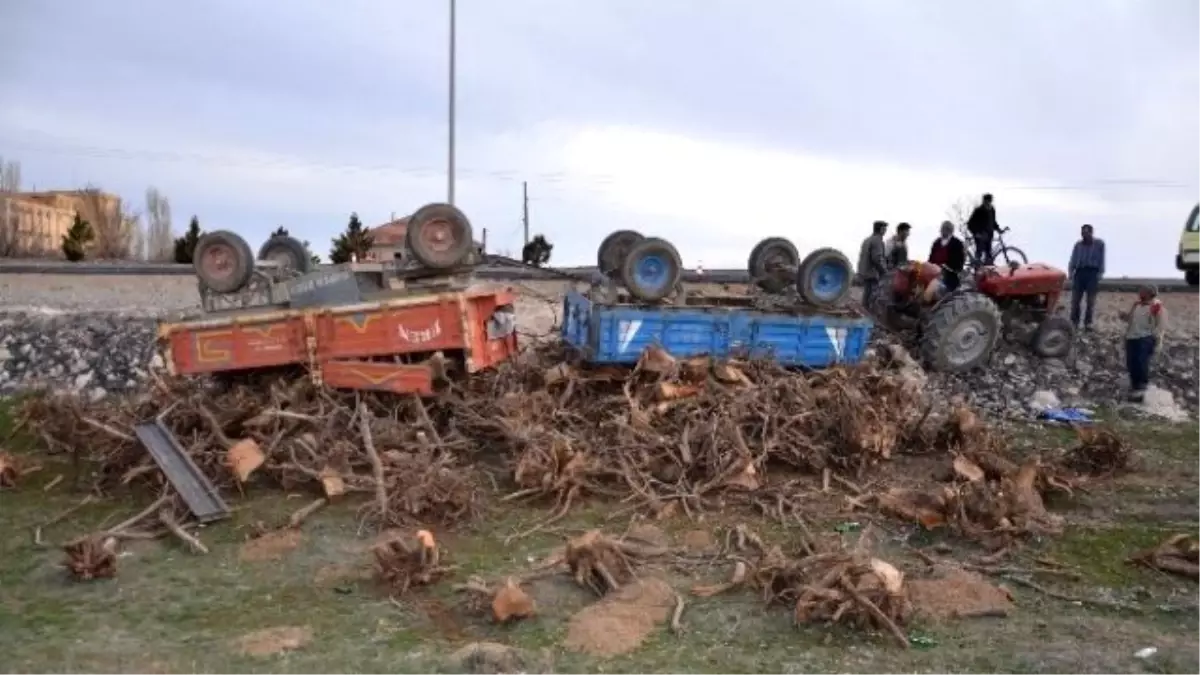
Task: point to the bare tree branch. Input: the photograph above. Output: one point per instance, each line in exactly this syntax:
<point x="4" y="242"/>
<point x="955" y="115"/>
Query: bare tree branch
<point x="117" y="229"/>
<point x="160" y="239"/>
<point x="10" y="182"/>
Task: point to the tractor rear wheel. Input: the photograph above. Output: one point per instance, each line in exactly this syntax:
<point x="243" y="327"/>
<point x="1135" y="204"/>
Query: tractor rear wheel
<point x="1053" y="338"/>
<point x="960" y="333"/>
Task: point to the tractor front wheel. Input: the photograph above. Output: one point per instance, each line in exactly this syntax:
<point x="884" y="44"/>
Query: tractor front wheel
<point x="1053" y="338"/>
<point x="960" y="333"/>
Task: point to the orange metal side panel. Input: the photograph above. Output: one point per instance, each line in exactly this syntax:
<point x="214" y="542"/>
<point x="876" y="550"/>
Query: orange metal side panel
<point x="483" y="352"/>
<point x="389" y="330"/>
<point x="394" y="377"/>
<point x="237" y="346"/>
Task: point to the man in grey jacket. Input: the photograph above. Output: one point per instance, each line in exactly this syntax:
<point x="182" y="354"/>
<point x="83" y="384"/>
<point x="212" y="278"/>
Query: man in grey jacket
<point x="872" y="262"/>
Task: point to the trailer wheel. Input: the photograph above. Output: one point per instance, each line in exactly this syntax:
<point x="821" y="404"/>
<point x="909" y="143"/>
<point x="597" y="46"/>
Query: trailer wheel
<point x="610" y="258"/>
<point x="223" y="261"/>
<point x="440" y="236"/>
<point x="290" y="253"/>
<point x="824" y="278"/>
<point x="652" y="269"/>
<point x="960" y="333"/>
<point x="770" y="263"/>
<point x="1053" y="338"/>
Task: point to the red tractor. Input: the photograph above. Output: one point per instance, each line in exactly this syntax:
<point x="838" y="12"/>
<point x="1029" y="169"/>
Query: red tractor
<point x="959" y="330"/>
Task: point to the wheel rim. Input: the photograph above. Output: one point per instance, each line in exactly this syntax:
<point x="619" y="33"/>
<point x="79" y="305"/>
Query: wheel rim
<point x="652" y="272"/>
<point x="438" y="235"/>
<point x="218" y="261"/>
<point x="828" y="280"/>
<point x="966" y="342"/>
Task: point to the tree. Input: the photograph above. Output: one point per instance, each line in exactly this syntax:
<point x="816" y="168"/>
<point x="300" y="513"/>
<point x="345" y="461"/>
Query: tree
<point x="355" y="242"/>
<point x="282" y="231"/>
<point x="960" y="211"/>
<point x="160" y="240"/>
<point x="185" y="246"/>
<point x="537" y="251"/>
<point x="116" y="228"/>
<point x="77" y="239"/>
<point x="10" y="181"/>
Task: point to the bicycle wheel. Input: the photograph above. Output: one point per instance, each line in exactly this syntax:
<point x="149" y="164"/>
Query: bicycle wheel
<point x="1009" y="253"/>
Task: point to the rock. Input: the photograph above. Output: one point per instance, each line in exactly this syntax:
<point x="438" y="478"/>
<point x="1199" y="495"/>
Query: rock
<point x="88" y="354"/>
<point x="1043" y="400"/>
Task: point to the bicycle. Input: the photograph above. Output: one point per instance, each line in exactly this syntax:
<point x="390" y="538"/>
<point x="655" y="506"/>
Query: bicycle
<point x="1010" y="254"/>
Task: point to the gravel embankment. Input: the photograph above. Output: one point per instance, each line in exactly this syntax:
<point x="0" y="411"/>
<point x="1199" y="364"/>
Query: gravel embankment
<point x="95" y="335"/>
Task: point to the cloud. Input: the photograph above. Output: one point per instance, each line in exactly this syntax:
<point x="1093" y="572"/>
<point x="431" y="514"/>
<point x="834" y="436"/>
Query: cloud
<point x="711" y="122"/>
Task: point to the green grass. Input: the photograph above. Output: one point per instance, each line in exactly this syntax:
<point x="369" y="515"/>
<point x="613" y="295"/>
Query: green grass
<point x="169" y="610"/>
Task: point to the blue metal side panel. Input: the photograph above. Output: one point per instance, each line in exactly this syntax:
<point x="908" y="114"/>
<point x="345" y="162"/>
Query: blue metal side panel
<point x="618" y="334"/>
<point x="622" y="333"/>
<point x="810" y="341"/>
<point x="576" y="322"/>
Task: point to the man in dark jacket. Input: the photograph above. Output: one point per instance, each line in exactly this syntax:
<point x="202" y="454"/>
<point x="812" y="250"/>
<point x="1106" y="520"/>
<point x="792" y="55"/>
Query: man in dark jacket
<point x="872" y="261"/>
<point x="949" y="252"/>
<point x="983" y="227"/>
<point x="897" y="246"/>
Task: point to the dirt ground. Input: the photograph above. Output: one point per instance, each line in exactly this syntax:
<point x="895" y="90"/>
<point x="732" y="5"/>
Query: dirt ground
<point x="306" y="601"/>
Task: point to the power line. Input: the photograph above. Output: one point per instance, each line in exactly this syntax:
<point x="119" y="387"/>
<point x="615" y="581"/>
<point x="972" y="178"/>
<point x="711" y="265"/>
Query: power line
<point x="551" y="178"/>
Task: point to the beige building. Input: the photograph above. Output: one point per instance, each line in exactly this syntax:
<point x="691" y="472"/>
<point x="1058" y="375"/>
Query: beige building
<point x="33" y="223"/>
<point x="387" y="240"/>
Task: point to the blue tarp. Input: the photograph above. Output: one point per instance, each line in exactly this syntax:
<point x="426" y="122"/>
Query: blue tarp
<point x="1066" y="415"/>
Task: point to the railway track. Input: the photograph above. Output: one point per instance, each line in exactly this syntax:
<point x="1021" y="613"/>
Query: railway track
<point x="498" y="269"/>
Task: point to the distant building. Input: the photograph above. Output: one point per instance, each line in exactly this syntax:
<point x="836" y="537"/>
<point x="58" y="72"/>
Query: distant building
<point x="33" y="223"/>
<point x="388" y="240"/>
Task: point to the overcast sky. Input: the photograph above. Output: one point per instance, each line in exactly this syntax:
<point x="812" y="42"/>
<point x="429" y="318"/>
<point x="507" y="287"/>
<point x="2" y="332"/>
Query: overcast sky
<point x="712" y="123"/>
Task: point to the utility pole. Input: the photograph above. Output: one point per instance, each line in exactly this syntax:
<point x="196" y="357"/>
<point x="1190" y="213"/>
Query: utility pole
<point x="451" y="111"/>
<point x="525" y="208"/>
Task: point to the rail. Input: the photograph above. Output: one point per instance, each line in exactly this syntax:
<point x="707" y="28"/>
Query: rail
<point x="495" y="270"/>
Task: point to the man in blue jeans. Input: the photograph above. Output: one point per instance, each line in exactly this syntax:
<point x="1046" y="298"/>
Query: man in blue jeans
<point x="1146" y="323"/>
<point x="1085" y="271"/>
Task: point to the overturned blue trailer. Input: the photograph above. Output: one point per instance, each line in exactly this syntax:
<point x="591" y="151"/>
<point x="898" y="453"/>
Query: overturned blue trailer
<point x="611" y="333"/>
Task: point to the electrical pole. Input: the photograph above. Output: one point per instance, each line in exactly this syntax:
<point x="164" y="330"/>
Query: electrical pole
<point x="451" y="112"/>
<point x="525" y="208"/>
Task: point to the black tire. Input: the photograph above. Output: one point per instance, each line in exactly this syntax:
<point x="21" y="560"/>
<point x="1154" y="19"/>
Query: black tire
<point x="1013" y="254"/>
<point x="610" y="257"/>
<point x="763" y="273"/>
<point x="223" y="261"/>
<point x="289" y="252"/>
<point x="1192" y="277"/>
<point x="1053" y="338"/>
<point x="440" y="237"/>
<point x="825" y="278"/>
<point x="960" y="333"/>
<point x="652" y="269"/>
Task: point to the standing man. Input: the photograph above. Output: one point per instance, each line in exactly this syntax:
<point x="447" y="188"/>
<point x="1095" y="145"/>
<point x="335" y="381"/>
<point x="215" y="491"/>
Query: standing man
<point x="949" y="252"/>
<point x="872" y="262"/>
<point x="897" y="246"/>
<point x="1147" y="322"/>
<point x="982" y="225"/>
<point x="1085" y="271"/>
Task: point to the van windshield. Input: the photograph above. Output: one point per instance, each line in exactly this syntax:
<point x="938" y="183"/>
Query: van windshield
<point x="1192" y="224"/>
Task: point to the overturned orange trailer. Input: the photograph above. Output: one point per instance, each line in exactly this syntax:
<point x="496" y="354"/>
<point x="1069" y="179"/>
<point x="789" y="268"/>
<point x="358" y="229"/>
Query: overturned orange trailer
<point x="403" y="344"/>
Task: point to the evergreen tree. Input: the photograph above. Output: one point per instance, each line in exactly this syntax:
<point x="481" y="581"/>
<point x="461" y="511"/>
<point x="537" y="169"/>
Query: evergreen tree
<point x="75" y="241"/>
<point x="355" y="242"/>
<point x="280" y="231"/>
<point x="537" y="251"/>
<point x="185" y="246"/>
